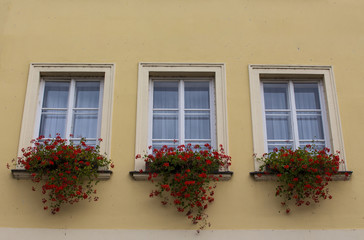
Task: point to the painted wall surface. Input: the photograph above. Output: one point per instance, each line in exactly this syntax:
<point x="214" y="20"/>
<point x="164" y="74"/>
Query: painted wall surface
<point x="234" y="32"/>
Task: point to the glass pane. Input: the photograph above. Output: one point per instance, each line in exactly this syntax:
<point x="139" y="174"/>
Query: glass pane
<point x="279" y="113"/>
<point x="197" y="95"/>
<point x="275" y="95"/>
<point x="197" y="125"/>
<point x="87" y="94"/>
<point x="307" y="95"/>
<point x="85" y="124"/>
<point x="56" y="94"/>
<point x="200" y="143"/>
<point x="310" y="127"/>
<point x="160" y="144"/>
<point x="165" y="94"/>
<point x="317" y="144"/>
<point x="165" y="125"/>
<point x="90" y="142"/>
<point x="273" y="145"/>
<point x="278" y="127"/>
<point x="52" y="123"/>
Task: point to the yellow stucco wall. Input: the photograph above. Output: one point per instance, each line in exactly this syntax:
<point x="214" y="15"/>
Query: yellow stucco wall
<point x="234" y="32"/>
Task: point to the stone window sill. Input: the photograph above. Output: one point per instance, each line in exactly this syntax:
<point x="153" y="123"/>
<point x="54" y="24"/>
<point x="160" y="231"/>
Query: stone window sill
<point x="262" y="176"/>
<point x="22" y="174"/>
<point x="143" y="176"/>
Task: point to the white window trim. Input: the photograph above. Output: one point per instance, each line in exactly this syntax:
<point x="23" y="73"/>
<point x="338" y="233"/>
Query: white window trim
<point x="71" y="101"/>
<point x="331" y="103"/>
<point x="32" y="98"/>
<point x="293" y="110"/>
<point x="143" y="101"/>
<point x="181" y="112"/>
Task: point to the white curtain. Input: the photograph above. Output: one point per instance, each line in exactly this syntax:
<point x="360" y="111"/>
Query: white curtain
<point x="54" y="109"/>
<point x="166" y="107"/>
<point x="84" y="109"/>
<point x="197" y="110"/>
<point x="165" y="113"/>
<point x="278" y="114"/>
<point x="85" y="113"/>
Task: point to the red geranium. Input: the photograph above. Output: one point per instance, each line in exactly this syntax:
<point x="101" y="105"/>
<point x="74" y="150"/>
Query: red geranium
<point x="184" y="177"/>
<point x="68" y="171"/>
<point x="303" y="174"/>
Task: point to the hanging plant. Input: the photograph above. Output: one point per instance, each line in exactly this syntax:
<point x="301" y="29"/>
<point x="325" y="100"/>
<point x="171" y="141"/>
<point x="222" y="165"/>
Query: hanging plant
<point x="67" y="172"/>
<point x="183" y="177"/>
<point x="303" y="174"/>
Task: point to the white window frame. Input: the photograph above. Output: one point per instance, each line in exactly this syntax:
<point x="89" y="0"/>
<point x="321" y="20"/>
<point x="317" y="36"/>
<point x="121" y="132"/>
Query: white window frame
<point x="181" y="109"/>
<point x="30" y="122"/>
<point x="147" y="70"/>
<point x="71" y="101"/>
<point x="293" y="111"/>
<point x="333" y="132"/>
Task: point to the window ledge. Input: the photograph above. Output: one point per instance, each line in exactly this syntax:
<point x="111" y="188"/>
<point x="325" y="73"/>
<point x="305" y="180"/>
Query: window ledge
<point x="262" y="176"/>
<point x="143" y="176"/>
<point x="22" y="174"/>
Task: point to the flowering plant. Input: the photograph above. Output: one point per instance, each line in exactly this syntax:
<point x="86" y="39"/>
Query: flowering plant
<point x="303" y="174"/>
<point x="183" y="177"/>
<point x="68" y="172"/>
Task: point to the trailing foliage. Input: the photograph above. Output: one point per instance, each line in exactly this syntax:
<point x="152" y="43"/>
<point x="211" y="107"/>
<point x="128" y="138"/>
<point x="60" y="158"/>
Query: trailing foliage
<point x="303" y="174"/>
<point x="67" y="171"/>
<point x="183" y="177"/>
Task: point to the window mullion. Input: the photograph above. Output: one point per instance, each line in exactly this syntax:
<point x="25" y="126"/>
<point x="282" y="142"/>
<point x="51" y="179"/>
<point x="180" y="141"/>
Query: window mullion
<point x="296" y="140"/>
<point x="181" y="112"/>
<point x="71" y="99"/>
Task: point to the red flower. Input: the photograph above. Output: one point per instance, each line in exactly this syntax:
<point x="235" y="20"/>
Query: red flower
<point x="286" y="166"/>
<point x="165" y="187"/>
<point x="202" y="175"/>
<point x="189" y="182"/>
<point x="166" y="164"/>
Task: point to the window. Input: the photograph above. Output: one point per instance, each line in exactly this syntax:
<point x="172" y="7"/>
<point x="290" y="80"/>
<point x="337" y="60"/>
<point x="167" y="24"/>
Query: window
<point x="294" y="106"/>
<point x="185" y="102"/>
<point x="70" y="107"/>
<point x="69" y="99"/>
<point x="182" y="112"/>
<point x="294" y="114"/>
